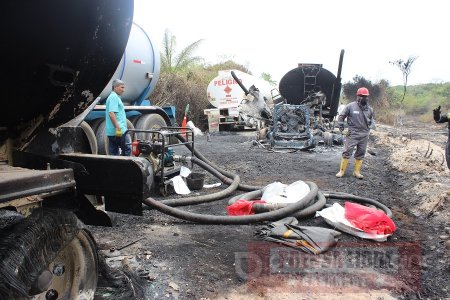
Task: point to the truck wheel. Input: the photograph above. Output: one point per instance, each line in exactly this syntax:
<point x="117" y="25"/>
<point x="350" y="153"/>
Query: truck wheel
<point x="95" y="123"/>
<point x="90" y="135"/>
<point x="102" y="138"/>
<point x="48" y="256"/>
<point x="149" y="122"/>
<point x="88" y="129"/>
<point x="134" y="119"/>
<point x="74" y="270"/>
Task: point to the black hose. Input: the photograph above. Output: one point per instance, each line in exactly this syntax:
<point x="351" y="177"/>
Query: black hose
<point x="242" y="187"/>
<point x="210" y="197"/>
<point x="345" y="196"/>
<point x="240" y="83"/>
<point x="318" y="205"/>
<point x="307" y="209"/>
<point x="310" y="208"/>
<point x="304" y="207"/>
<point x="235" y="220"/>
<point x="246" y="196"/>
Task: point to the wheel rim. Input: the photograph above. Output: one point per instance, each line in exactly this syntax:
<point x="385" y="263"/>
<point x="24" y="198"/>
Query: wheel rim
<point x="74" y="271"/>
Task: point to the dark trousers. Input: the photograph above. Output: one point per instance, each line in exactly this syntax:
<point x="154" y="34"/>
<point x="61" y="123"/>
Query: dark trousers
<point x="123" y="143"/>
<point x="358" y="141"/>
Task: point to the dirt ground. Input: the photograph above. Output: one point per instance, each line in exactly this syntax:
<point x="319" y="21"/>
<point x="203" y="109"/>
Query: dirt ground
<point x="176" y="259"/>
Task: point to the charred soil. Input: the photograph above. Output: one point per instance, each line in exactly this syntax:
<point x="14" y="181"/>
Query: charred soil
<point x="176" y="259"/>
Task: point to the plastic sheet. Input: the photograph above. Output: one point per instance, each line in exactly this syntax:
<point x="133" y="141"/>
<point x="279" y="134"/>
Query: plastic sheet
<point x="242" y="207"/>
<point x="368" y="219"/>
<point x="278" y="192"/>
<point x="313" y="240"/>
<point x="196" y="130"/>
<point x="180" y="186"/>
<point x="335" y="217"/>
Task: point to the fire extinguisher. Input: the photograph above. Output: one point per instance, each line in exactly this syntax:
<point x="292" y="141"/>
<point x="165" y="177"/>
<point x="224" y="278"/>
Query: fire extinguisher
<point x="134" y="148"/>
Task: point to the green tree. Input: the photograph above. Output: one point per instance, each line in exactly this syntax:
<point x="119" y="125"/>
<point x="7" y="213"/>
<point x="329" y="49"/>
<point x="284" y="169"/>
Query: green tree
<point x="173" y="62"/>
<point x="379" y="98"/>
<point x="377" y="90"/>
<point x="267" y="77"/>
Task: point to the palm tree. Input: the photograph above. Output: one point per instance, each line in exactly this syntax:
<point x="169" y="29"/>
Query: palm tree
<point x="173" y="63"/>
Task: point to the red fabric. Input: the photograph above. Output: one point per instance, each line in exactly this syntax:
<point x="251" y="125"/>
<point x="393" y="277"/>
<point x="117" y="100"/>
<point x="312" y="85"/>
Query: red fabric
<point x="242" y="207"/>
<point x="369" y="219"/>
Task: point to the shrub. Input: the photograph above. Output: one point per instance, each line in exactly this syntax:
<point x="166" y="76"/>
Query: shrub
<point x="175" y="89"/>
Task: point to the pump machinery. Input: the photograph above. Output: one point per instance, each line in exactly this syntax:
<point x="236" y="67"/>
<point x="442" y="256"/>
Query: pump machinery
<point x="303" y="110"/>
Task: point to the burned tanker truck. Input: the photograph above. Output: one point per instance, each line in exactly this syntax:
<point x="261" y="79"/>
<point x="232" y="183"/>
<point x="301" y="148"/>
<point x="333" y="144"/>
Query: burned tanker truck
<point x="303" y="111"/>
<point x="61" y="55"/>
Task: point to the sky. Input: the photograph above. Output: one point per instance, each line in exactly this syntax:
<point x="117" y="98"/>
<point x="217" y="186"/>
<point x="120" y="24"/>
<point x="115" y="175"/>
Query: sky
<point x="274" y="36"/>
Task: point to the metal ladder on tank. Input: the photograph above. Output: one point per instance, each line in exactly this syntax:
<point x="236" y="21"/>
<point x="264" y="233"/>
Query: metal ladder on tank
<point x="310" y="72"/>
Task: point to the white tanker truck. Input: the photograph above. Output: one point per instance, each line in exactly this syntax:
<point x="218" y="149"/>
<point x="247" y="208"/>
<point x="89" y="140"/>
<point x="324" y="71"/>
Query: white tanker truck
<point x="139" y="68"/>
<point x="229" y="101"/>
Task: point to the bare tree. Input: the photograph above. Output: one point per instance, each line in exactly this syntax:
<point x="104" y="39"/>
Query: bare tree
<point x="405" y="67"/>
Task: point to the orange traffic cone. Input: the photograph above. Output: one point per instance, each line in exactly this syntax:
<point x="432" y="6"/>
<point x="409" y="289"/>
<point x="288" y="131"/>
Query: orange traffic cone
<point x="183" y="124"/>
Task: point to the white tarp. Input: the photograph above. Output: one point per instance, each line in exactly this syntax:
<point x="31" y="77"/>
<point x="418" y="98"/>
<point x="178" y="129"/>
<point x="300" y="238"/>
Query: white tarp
<point x="335" y="217"/>
<point x="278" y="192"/>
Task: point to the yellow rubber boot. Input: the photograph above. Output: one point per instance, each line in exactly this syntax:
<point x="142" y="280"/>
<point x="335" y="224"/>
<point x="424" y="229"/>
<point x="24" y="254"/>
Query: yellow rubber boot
<point x="344" y="163"/>
<point x="357" y="171"/>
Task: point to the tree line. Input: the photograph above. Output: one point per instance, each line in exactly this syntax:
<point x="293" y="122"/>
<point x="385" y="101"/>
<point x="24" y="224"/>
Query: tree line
<point x="392" y="102"/>
<point x="184" y="78"/>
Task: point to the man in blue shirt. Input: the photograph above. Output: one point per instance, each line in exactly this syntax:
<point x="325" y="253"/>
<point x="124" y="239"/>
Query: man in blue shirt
<point x="116" y="121"/>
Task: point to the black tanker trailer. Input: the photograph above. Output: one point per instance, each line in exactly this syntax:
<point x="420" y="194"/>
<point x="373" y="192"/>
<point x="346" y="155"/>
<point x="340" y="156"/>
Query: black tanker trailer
<point x="57" y="57"/>
<point x="303" y="112"/>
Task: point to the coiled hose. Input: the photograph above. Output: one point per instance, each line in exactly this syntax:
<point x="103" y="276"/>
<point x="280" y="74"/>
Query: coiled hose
<point x="241" y="187"/>
<point x="305" y="210"/>
<point x="206" y="198"/>
<point x="289" y="210"/>
<point x="358" y="199"/>
<point x="312" y="207"/>
<point x="312" y="202"/>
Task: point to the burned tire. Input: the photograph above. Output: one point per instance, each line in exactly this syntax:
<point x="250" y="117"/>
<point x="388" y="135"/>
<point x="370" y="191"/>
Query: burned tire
<point x="48" y="256"/>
